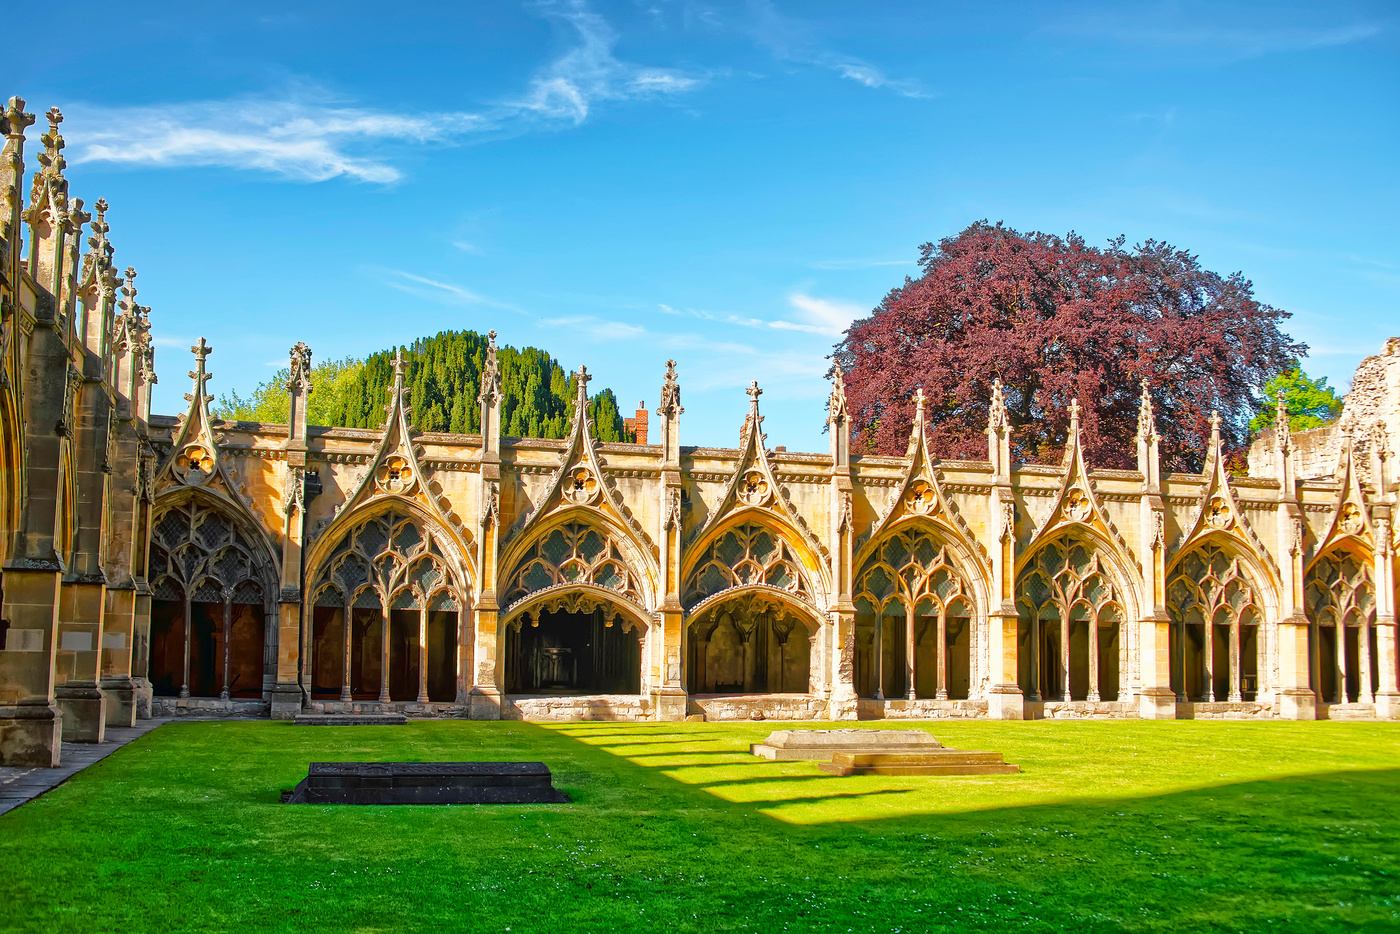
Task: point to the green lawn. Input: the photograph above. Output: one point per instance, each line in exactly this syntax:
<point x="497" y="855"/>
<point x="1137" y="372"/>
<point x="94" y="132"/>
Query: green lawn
<point x="1137" y="826"/>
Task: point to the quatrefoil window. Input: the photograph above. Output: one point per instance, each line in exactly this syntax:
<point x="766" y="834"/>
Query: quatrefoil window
<point x="395" y="475"/>
<point x="580" y="486"/>
<point x="753" y="489"/>
<point x="195" y="464"/>
<point x="1077" y="506"/>
<point x="1218" y="514"/>
<point x="1351" y="521"/>
<point x="921" y="498"/>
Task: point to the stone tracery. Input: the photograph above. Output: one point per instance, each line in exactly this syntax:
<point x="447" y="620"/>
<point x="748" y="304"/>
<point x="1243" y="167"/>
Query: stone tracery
<point x="1215" y="611"/>
<point x="1340" y="601"/>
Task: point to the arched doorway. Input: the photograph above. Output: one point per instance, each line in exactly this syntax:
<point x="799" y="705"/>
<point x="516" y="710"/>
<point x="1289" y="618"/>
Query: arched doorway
<point x="574" y="623"/>
<point x="1215" y="614"/>
<point x="1071" y="620"/>
<point x="754" y="641"/>
<point x="209" y="607"/>
<point x="386" y="616"/>
<point x="913" y="625"/>
<point x="1340" y="601"/>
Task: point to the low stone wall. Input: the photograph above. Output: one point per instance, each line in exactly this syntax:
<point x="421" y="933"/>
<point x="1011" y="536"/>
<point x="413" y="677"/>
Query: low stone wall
<point x="920" y="709"/>
<point x="1346" y="711"/>
<point x="620" y="707"/>
<point x="1226" y="710"/>
<point x="757" y="706"/>
<point x="208" y="707"/>
<point x="411" y="709"/>
<point x="1080" y="710"/>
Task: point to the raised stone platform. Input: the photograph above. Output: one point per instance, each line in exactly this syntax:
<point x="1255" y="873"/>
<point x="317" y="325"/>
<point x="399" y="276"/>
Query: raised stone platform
<point x="822" y="745"/>
<point x="426" y="783"/>
<point x="937" y="762"/>
<point x="350" y="719"/>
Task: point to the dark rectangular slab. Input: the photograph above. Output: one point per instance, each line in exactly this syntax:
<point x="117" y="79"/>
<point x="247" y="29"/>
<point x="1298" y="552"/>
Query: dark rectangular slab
<point x="427" y="783"/>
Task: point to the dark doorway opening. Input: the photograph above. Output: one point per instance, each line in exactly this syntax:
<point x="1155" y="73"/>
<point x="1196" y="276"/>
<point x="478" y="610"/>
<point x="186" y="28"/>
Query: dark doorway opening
<point x="573" y="653"/>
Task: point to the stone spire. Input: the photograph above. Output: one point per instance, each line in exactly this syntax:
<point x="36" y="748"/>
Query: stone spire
<point x="299" y="390"/>
<point x="13" y="122"/>
<point x="838" y="421"/>
<point x="489" y="400"/>
<point x="47" y="214"/>
<point x="670" y="404"/>
<point x="669" y="410"/>
<point x="1072" y="438"/>
<point x="999" y="432"/>
<point x="1147" y="418"/>
<point x="1149" y="465"/>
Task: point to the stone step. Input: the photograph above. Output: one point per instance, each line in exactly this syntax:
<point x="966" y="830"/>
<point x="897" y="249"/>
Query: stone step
<point x="823" y="744"/>
<point x="942" y="762"/>
<point x="350" y="719"/>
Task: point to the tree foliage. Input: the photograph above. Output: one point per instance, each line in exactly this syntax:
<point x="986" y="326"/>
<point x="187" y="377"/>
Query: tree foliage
<point x="1311" y="402"/>
<point x="443" y="376"/>
<point x="1057" y="320"/>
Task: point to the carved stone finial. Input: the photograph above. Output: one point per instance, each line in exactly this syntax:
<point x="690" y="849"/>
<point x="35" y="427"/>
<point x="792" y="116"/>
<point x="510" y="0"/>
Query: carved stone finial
<point x="836" y="404"/>
<point x="754" y="392"/>
<point x="300" y="369"/>
<point x="670" y="405"/>
<point x="919" y="406"/>
<point x="398" y="366"/>
<point x="1214" y="427"/>
<point x="583" y="378"/>
<point x="490" y="374"/>
<point x="996" y="411"/>
<point x="201" y="352"/>
<point x="52" y="157"/>
<point x="199" y="374"/>
<point x="1074" y="415"/>
<point x="1147" y="420"/>
<point x="1283" y="436"/>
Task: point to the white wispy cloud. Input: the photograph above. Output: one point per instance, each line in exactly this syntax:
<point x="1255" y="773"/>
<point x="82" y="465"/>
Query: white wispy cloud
<point x="791" y="41"/>
<point x="1167" y="26"/>
<point x="303" y="134"/>
<point x="434" y="290"/>
<point x="837" y="264"/>
<point x="822" y="315"/>
<point x="568" y="87"/>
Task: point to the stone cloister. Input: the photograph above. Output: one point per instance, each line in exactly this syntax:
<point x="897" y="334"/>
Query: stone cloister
<point x="171" y="565"/>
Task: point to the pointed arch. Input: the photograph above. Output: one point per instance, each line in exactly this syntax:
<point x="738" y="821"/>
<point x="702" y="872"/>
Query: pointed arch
<point x="741" y="641"/>
<point x="1339" y="600"/>
<point x="918" y="592"/>
<point x="1073" y="596"/>
<point x="1218" y="597"/>
<point x="753" y="545"/>
<point x="214" y="577"/>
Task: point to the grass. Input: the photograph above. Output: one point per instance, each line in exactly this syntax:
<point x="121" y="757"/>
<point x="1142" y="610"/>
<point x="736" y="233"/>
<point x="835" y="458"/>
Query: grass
<point x="1114" y="826"/>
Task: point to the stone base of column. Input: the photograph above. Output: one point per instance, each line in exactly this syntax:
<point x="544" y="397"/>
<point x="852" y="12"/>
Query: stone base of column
<point x="1157" y="704"/>
<point x="121" y="701"/>
<point x="84" y="712"/>
<point x="484" y="704"/>
<point x="668" y="704"/>
<point x="844" y="704"/>
<point x="1387" y="705"/>
<point x="285" y="701"/>
<point x="1006" y="702"/>
<point x="1297" y="704"/>
<point x="144" y="695"/>
<point x="31" y="736"/>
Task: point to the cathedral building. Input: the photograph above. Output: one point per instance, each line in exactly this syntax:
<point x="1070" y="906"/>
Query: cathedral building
<point x="184" y="565"/>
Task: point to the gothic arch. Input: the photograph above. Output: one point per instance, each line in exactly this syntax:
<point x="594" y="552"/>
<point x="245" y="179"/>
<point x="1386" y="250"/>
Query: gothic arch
<point x="1339" y="599"/>
<point x="561" y="553"/>
<point x="1071" y="591"/>
<point x="453" y="549"/>
<point x="1218" y="598"/>
<point x="744" y="526"/>
<point x="214" y="583"/>
<point x="966" y="558"/>
<point x="918" y="593"/>
<point x="387" y="604"/>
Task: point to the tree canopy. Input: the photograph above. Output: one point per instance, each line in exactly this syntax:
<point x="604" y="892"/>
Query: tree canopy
<point x="1311" y="402"/>
<point x="443" y="376"/>
<point x="1056" y="320"/>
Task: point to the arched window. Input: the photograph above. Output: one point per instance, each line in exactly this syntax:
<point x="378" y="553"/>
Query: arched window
<point x="385" y="616"/>
<point x="573" y="553"/>
<point x="1070" y="621"/>
<point x="1340" y="601"/>
<point x="1215" y="628"/>
<point x="746" y="554"/>
<point x="211" y="594"/>
<point x="913" y="621"/>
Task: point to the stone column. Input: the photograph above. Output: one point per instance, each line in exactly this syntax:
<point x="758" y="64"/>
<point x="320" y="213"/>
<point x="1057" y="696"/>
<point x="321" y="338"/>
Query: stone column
<point x="943" y="653"/>
<point x="384" y="616"/>
<point x="1208" y="661"/>
<point x="1234" y="693"/>
<point x="423" y="653"/>
<point x="348" y="628"/>
<point x="840" y="629"/>
<point x="669" y="700"/>
<point x="910" y="649"/>
<point x="1383" y="573"/>
<point x="1005" y="700"/>
<point x="1092" y="635"/>
<point x="228" y="641"/>
<point x="1156" y="699"/>
<point x="486" y="698"/>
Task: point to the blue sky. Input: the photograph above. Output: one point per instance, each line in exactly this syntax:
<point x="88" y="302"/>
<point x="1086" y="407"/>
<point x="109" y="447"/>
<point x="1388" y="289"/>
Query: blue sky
<point x="728" y="184"/>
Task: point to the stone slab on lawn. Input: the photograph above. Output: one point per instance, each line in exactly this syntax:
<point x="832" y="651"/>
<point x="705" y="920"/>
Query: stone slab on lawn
<point x="821" y="745"/>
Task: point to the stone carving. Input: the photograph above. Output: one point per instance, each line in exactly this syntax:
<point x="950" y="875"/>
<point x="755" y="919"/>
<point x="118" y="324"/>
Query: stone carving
<point x="1218" y="515"/>
<point x="194" y="465"/>
<point x="754" y="490"/>
<point x="921" y="498"/>
<point x="300" y="369"/>
<point x="580" y="487"/>
<point x="395" y="474"/>
<point x="1351" y="521"/>
<point x="1078" y="507"/>
<point x="670" y="404"/>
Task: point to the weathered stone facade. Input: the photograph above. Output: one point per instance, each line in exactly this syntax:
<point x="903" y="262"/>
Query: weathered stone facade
<point x="275" y="569"/>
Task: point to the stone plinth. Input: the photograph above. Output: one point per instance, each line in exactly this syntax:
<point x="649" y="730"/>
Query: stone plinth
<point x="427" y="783"/>
<point x="822" y="745"/>
<point x="935" y="762"/>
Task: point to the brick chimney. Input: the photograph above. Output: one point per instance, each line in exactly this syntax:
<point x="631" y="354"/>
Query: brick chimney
<point x="638" y="426"/>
